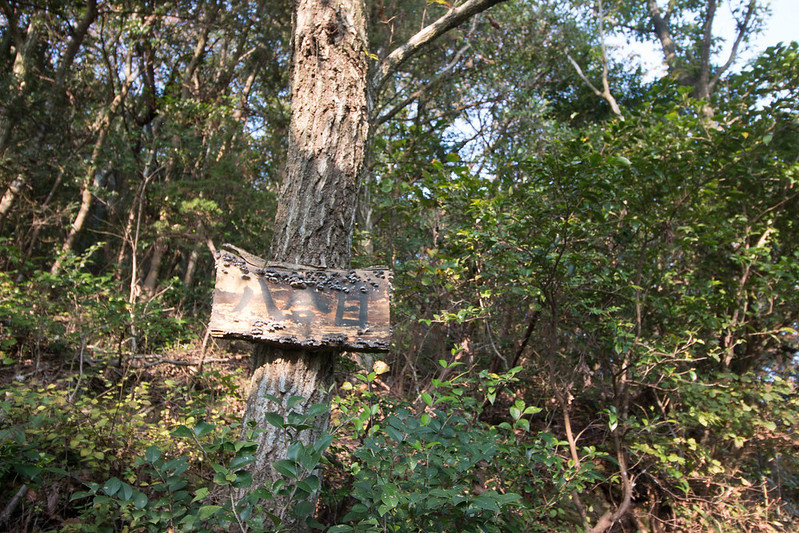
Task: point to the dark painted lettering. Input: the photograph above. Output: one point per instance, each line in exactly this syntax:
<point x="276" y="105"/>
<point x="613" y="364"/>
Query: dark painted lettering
<point x="274" y="312"/>
<point x="353" y="309"/>
<point x="246" y="296"/>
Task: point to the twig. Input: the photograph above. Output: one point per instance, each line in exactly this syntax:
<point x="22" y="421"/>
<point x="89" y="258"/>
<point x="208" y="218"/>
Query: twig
<point x="12" y="505"/>
<point x="388" y="115"/>
<point x="80" y="368"/>
<point x="204" y="349"/>
<point x="450" y="20"/>
<point x="180" y="363"/>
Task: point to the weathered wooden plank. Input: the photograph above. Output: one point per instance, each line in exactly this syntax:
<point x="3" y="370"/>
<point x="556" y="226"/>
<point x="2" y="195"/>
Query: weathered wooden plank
<point x="302" y="307"/>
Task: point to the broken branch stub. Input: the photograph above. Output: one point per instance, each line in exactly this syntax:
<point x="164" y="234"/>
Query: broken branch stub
<point x="304" y="307"/>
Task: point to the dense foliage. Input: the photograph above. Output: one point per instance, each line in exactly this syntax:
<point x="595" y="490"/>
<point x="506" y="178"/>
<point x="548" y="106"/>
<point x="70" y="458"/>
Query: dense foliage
<point x="595" y="308"/>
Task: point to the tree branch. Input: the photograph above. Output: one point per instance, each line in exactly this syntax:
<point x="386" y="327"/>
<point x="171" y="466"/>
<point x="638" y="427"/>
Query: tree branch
<point x="660" y="26"/>
<point x="427" y="35"/>
<point x="702" y="88"/>
<point x="388" y="115"/>
<point x="742" y="30"/>
<point x="13" y="504"/>
<point x="607" y="95"/>
<point x="604" y="94"/>
<point x="78" y="36"/>
<point x="582" y="75"/>
<point x="609" y="518"/>
<point x="527" y="334"/>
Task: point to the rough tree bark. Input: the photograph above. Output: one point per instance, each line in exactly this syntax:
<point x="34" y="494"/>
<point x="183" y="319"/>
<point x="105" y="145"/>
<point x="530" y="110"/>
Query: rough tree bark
<point x="329" y="128"/>
<point x="314" y="222"/>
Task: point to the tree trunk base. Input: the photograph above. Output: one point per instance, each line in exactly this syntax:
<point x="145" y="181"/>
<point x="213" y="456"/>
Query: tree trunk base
<point x="285" y="374"/>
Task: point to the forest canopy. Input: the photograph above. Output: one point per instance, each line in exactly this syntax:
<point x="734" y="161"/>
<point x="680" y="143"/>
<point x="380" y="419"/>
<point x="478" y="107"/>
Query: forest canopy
<point x="596" y="271"/>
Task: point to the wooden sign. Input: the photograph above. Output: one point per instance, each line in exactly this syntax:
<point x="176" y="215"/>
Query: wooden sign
<point x="302" y="307"/>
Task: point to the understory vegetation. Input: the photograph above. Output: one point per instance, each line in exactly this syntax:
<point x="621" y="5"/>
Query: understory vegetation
<point x="596" y="294"/>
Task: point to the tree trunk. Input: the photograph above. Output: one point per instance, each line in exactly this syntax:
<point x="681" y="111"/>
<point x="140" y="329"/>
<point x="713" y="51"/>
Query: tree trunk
<point x="698" y="73"/>
<point x="282" y="373"/>
<point x="191" y="267"/>
<point x="151" y="280"/>
<point x="103" y="128"/>
<point x="21" y="71"/>
<point x="14" y="189"/>
<point x="327" y="140"/>
<point x="24" y="47"/>
<point x="314" y="222"/>
<point x="329" y="128"/>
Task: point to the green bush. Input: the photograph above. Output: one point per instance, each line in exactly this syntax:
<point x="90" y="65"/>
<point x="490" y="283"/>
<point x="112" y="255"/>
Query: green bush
<point x="438" y="467"/>
<point x="168" y="494"/>
<point x="77" y="312"/>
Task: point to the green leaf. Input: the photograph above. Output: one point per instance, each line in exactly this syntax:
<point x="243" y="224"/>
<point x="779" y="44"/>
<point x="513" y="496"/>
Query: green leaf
<point x="322" y="443"/>
<point x="394" y="433"/>
<point x="487" y="501"/>
<point x="125" y="492"/>
<point x="203" y="428"/>
<point x="29" y="470"/>
<point x="286" y="467"/>
<point x="240" y="461"/>
<point x="111" y="486"/>
<point x="309" y="461"/>
<point x="621" y="161"/>
<point x="319" y="409"/>
<point x="200" y="494"/>
<point x="427" y="399"/>
<point x="294" y="400"/>
<point x="181" y="431"/>
<point x="207" y="511"/>
<point x="79" y="495"/>
<point x="310" y="484"/>
<point x="522" y="423"/>
<point x="295" y="451"/>
<point x="262" y="493"/>
<point x="274" y="419"/>
<point x="768" y="424"/>
<point x="140" y="500"/>
<point x="153" y="453"/>
<point x="243" y="480"/>
<point x="175" y="483"/>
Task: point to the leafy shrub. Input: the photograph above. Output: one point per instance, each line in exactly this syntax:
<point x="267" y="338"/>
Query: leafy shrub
<point x="438" y="467"/>
<point x="56" y="438"/>
<point x="76" y="312"/>
<point x="169" y="495"/>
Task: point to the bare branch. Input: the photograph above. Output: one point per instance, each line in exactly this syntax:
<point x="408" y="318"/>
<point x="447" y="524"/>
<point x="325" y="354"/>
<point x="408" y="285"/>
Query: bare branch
<point x="607" y="95"/>
<point x="13" y="504"/>
<point x="604" y="94"/>
<point x="743" y="27"/>
<point x="78" y="36"/>
<point x="582" y="75"/>
<point x="702" y="86"/>
<point x="427" y="35"/>
<point x="609" y="518"/>
<point x="660" y="25"/>
<point x="388" y="115"/>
